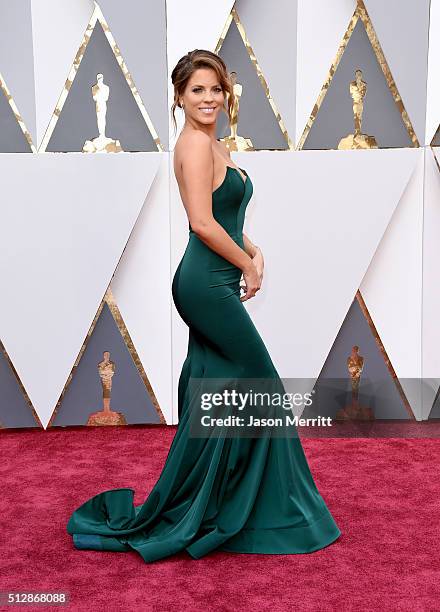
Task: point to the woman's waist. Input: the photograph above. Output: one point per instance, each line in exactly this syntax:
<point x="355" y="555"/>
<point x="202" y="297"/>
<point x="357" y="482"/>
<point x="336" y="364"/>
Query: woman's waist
<point x="199" y="258"/>
<point x="204" y="252"/>
<point x="234" y="234"/>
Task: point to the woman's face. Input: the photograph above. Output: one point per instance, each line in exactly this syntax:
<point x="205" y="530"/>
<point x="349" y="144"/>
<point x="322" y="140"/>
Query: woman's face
<point x="203" y="91"/>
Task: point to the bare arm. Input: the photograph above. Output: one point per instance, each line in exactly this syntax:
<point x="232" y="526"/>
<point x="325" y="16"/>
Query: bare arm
<point x="257" y="256"/>
<point x="249" y="247"/>
<point x="197" y="174"/>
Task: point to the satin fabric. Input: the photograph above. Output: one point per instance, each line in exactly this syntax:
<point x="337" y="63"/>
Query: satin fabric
<point x="244" y="495"/>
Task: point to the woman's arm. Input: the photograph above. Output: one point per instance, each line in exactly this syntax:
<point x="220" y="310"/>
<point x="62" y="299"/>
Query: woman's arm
<point x="249" y="247"/>
<point x="197" y="177"/>
<point x="255" y="253"/>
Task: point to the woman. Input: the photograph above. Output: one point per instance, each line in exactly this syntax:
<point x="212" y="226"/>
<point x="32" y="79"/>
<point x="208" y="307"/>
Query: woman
<point x="239" y="494"/>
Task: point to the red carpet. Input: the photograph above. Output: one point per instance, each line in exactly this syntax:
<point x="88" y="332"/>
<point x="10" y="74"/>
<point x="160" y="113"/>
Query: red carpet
<point x="383" y="493"/>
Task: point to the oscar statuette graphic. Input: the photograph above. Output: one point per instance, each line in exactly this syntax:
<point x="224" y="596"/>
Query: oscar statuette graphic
<point x="355" y="365"/>
<point x="233" y="141"/>
<point x="358" y="91"/>
<point x="106" y="416"/>
<point x="102" y="143"/>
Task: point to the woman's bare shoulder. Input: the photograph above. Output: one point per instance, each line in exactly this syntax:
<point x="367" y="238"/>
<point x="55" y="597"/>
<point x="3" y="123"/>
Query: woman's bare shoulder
<point x="193" y="147"/>
<point x="193" y="139"/>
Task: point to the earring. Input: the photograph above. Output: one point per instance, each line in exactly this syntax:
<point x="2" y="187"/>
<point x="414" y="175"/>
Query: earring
<point x="182" y="105"/>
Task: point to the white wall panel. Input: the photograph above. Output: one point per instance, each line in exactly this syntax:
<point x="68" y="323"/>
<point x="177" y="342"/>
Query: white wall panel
<point x="402" y="29"/>
<point x="431" y="281"/>
<point x="191" y="25"/>
<point x="276" y="54"/>
<point x="142" y="289"/>
<point x="321" y="26"/>
<point x="392" y="286"/>
<point x="60" y="242"/>
<point x="57" y="30"/>
<point x="318" y="217"/>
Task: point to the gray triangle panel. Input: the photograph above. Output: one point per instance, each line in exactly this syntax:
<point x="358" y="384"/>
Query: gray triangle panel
<point x="256" y="119"/>
<point x="77" y="121"/>
<point x="12" y="138"/>
<point x="17" y="60"/>
<point x="129" y="395"/>
<point x="378" y="392"/>
<point x="139" y="29"/>
<point x="381" y="117"/>
<point x="14" y="409"/>
<point x="435" y="410"/>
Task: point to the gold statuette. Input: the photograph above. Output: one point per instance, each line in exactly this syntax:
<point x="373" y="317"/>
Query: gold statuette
<point x="102" y="143"/>
<point x="106" y="416"/>
<point x="358" y="91"/>
<point x="355" y="365"/>
<point x="233" y="141"/>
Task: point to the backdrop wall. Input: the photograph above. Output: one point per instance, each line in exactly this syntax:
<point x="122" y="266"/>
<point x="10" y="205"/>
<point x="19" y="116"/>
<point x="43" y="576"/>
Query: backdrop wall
<point x="89" y="243"/>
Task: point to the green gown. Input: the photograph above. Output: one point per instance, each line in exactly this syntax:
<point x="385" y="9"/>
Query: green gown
<point x="237" y="494"/>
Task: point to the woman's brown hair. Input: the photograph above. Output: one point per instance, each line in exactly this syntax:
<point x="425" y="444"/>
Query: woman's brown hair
<point x="201" y="58"/>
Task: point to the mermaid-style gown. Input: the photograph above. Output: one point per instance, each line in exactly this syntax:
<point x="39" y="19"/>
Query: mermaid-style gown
<point x="237" y="494"/>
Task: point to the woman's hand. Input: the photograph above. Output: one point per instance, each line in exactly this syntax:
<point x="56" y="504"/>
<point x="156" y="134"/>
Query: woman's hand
<point x="252" y="282"/>
<point x="259" y="262"/>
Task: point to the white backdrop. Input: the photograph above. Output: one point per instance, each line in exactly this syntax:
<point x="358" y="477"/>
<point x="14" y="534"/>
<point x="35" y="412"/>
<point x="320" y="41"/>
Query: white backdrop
<point x="329" y="222"/>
